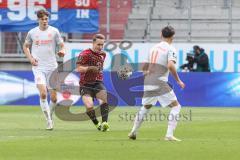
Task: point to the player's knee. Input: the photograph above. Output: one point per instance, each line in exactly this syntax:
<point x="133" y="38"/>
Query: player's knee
<point x="88" y="105"/>
<point x="148" y="106"/>
<point x="43" y="95"/>
<point x="102" y="98"/>
<point x="176" y="107"/>
<point x="54" y="99"/>
<point x="103" y="101"/>
<point x="174" y="104"/>
<point x="89" y="109"/>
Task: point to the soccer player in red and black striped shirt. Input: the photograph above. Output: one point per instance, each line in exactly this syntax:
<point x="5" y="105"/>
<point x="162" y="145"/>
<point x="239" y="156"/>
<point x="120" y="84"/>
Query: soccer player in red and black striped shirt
<point x="90" y="65"/>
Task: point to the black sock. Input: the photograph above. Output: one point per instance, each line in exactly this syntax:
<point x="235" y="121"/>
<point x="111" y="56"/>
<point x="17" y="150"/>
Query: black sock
<point x="104" y="111"/>
<point x="92" y="116"/>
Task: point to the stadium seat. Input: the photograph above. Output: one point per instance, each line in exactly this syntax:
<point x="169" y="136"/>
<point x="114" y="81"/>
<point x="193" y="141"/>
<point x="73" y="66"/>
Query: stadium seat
<point x="206" y="20"/>
<point x="119" y="11"/>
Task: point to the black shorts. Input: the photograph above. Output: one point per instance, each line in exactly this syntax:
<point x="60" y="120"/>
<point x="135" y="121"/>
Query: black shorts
<point x="92" y="89"/>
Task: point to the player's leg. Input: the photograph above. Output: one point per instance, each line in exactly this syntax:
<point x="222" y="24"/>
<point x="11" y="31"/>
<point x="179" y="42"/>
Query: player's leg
<point x="148" y="101"/>
<point x="52" y="80"/>
<point x="170" y="99"/>
<point x="173" y="120"/>
<point x="104" y="108"/>
<point x="44" y="105"/>
<point x="88" y="102"/>
<point x="138" y="120"/>
<point x="53" y="101"/>
<point x="41" y="80"/>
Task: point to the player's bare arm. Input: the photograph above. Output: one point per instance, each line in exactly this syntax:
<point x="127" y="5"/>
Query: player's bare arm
<point x="145" y="68"/>
<point x="172" y="69"/>
<point x="61" y="52"/>
<point x="84" y="69"/>
<point x="26" y="50"/>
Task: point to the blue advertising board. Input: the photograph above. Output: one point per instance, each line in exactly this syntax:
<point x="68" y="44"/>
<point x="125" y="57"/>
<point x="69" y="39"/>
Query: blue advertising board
<point x="202" y="89"/>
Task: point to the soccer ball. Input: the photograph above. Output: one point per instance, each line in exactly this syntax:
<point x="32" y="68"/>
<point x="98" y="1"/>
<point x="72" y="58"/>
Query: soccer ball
<point x="124" y="72"/>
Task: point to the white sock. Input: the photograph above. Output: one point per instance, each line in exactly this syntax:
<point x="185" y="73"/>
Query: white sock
<point x="45" y="109"/>
<point x="52" y="106"/>
<point x="139" y="119"/>
<point x="172" y="120"/>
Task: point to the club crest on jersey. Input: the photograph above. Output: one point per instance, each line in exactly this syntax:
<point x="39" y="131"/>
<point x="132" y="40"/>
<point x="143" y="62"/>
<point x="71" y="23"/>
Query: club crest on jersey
<point x="102" y="57"/>
<point x="49" y="35"/>
<point x="37" y="42"/>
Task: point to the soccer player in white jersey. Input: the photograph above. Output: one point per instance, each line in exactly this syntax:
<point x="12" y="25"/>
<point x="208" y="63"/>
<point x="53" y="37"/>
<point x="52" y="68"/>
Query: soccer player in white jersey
<point x="44" y="40"/>
<point x="161" y="60"/>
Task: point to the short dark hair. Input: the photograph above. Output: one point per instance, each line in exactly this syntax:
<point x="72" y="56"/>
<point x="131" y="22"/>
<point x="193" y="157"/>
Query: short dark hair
<point x="196" y="47"/>
<point x="168" y="31"/>
<point x="42" y="13"/>
<point x="98" y="36"/>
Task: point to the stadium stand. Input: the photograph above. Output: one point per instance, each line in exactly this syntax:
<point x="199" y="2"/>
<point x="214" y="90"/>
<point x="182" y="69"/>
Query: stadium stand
<point x="119" y="12"/>
<point x="138" y="20"/>
<point x="141" y="20"/>
<point x="194" y="20"/>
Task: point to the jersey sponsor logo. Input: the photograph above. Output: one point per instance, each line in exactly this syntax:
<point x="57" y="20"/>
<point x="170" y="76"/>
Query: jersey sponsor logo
<point x="43" y="42"/>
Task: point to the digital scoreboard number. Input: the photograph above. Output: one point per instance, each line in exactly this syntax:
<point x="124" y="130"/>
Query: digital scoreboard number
<point x="70" y="16"/>
<point x="18" y="10"/>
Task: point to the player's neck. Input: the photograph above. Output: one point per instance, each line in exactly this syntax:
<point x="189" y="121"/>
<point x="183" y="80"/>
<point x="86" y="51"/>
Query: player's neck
<point x="43" y="28"/>
<point x="93" y="50"/>
<point x="168" y="40"/>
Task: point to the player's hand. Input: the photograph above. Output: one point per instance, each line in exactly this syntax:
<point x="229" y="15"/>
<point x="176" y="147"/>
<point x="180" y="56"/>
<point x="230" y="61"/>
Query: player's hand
<point x="34" y="62"/>
<point x="93" y="69"/>
<point x="146" y="73"/>
<point x="61" y="53"/>
<point x="181" y="84"/>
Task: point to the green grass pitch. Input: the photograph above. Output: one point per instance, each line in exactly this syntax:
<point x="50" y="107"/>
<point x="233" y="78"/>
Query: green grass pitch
<point x="211" y="133"/>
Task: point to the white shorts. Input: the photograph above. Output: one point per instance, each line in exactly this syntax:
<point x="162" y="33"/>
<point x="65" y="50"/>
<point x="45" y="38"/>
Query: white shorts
<point x="164" y="99"/>
<point x="43" y="77"/>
